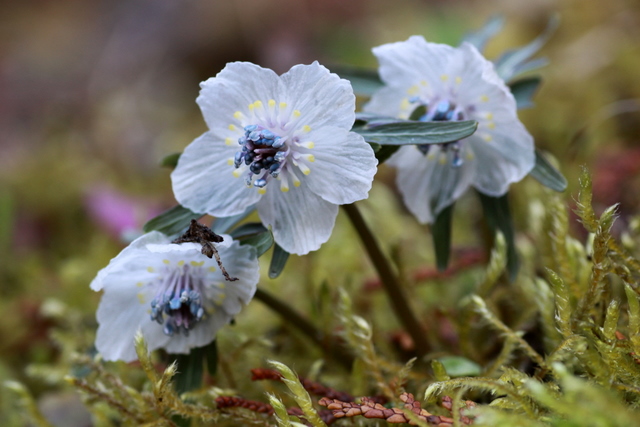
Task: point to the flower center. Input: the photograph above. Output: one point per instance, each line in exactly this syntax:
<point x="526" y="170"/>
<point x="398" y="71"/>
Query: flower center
<point x="441" y="111"/>
<point x="264" y="153"/>
<point x="178" y="303"/>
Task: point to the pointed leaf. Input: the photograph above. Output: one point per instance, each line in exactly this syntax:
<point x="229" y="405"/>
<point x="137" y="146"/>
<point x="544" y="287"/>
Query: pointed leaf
<point x="409" y="132"/>
<point x="510" y="64"/>
<point x="211" y="357"/>
<point x="441" y="232"/>
<point x="364" y="81"/>
<point x="254" y="234"/>
<point x="498" y="217"/>
<point x="223" y="224"/>
<point x="172" y="221"/>
<point x="480" y="38"/>
<point x="547" y="175"/>
<point x="190" y="370"/>
<point x="170" y="161"/>
<point x="523" y="91"/>
<point x="385" y="151"/>
<point x="278" y="261"/>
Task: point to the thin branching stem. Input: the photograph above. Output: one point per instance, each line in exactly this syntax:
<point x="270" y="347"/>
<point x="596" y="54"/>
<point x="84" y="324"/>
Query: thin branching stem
<point x="389" y="281"/>
<point x="331" y="348"/>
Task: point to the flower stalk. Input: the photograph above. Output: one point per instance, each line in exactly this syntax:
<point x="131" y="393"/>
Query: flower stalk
<point x="390" y="282"/>
<point x="331" y="347"/>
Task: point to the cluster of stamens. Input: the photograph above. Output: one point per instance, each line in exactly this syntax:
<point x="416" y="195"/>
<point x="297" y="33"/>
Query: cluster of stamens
<point x="441" y="111"/>
<point x="178" y="304"/>
<point x="264" y="153"/>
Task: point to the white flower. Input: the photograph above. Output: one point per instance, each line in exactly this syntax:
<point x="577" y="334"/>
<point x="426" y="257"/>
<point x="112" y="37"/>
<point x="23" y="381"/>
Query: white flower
<point x="453" y="84"/>
<point x="279" y="142"/>
<point x="174" y="295"/>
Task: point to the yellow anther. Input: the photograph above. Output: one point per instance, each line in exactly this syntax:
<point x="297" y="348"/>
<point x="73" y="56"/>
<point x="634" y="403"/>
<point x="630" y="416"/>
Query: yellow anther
<point x="310" y="158"/>
<point x="470" y="155"/>
<point x="458" y="80"/>
<point x="489" y="116"/>
<point x="304" y="168"/>
<point x="272" y="103"/>
<point x="484" y="98"/>
<point x="444" y="77"/>
<point x="424" y="83"/>
<point x="296" y="182"/>
<point x="413" y="90"/>
<point x="257" y="104"/>
<point x="221" y="285"/>
<point x="211" y="269"/>
<point x="491" y="125"/>
<point x="405" y="104"/>
<point x="230" y="162"/>
<point x="180" y="263"/>
<point x="306" y="128"/>
<point x="251" y="107"/>
<point x="308" y="144"/>
<point x="166" y="261"/>
<point x="237" y="173"/>
<point x="443" y="159"/>
<point x="283" y="105"/>
<point x="140" y="298"/>
<point x="296" y="113"/>
<point x="150" y="269"/>
<point x="139" y="284"/>
<point x="487" y="138"/>
<point x="232" y="127"/>
<point x="196" y="263"/>
<point x="237" y="115"/>
<point x="431" y="156"/>
<point x="228" y="141"/>
<point x="284" y="188"/>
<point x="262" y="190"/>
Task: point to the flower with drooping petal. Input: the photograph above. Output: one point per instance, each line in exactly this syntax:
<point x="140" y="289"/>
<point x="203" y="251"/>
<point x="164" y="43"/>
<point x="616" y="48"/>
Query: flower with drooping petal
<point x="172" y="293"/>
<point x="282" y="143"/>
<point x="451" y="84"/>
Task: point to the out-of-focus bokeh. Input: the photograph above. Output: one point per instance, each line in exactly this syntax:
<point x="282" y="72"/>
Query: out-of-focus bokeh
<point x="93" y="94"/>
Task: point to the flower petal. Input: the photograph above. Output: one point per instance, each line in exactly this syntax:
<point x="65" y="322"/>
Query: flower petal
<point x="204" y="181"/>
<point x="407" y="63"/>
<point x="234" y="88"/>
<point x="301" y="221"/>
<point x="429" y="183"/>
<point x="495" y="170"/>
<point x="322" y="97"/>
<point x="128" y="258"/>
<point x="122" y="312"/>
<point x="343" y="167"/>
<point x="389" y="101"/>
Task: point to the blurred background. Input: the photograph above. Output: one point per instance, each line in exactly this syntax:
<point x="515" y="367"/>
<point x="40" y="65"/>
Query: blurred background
<point x="93" y="94"/>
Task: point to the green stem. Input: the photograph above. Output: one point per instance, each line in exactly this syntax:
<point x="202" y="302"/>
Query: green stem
<point x="390" y="282"/>
<point x="332" y="348"/>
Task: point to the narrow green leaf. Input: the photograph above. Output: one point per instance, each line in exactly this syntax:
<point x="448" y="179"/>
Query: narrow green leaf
<point x="223" y="224"/>
<point x="190" y="370"/>
<point x="363" y="118"/>
<point x="523" y="91"/>
<point x="385" y="151"/>
<point x="441" y="232"/>
<point x="406" y="132"/>
<point x="170" y="161"/>
<point x="278" y="261"/>
<point x="514" y="62"/>
<point x="498" y="217"/>
<point x="364" y="81"/>
<point x="254" y="234"/>
<point x="248" y="230"/>
<point x="419" y="111"/>
<point x="211" y="357"/>
<point x="547" y="175"/>
<point x="172" y="221"/>
<point x="480" y="38"/>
